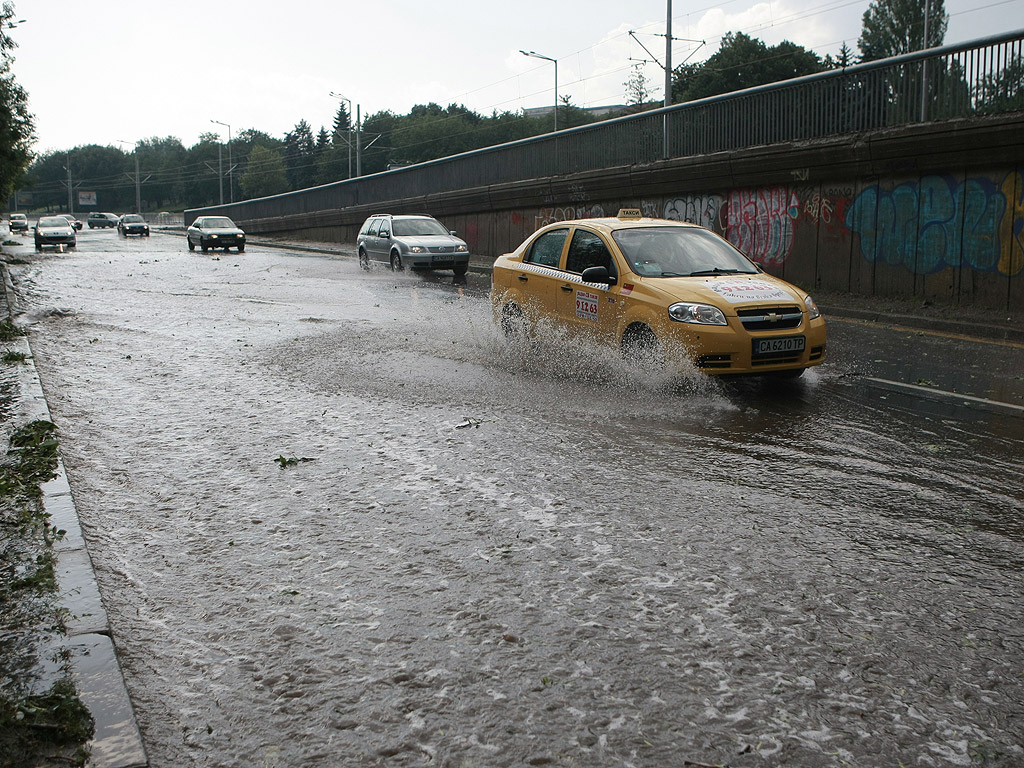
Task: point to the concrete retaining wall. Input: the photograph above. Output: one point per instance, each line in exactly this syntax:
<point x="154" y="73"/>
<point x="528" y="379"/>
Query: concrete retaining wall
<point x="933" y="212"/>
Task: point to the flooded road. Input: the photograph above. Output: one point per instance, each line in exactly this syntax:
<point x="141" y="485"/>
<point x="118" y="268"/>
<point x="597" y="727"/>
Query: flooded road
<point x="489" y="555"/>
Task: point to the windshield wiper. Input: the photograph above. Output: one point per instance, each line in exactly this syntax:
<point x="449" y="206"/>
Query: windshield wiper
<point x="718" y="271"/>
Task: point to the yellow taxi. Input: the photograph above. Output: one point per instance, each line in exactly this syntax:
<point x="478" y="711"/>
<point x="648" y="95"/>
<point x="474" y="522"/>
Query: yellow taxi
<point x="662" y="291"/>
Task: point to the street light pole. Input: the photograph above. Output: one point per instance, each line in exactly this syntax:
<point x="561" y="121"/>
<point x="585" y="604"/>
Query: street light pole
<point x="536" y="55"/>
<point x="349" y="140"/>
<point x="231" y="167"/>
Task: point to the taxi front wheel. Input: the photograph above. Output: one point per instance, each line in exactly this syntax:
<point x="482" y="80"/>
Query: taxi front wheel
<point x="641" y="349"/>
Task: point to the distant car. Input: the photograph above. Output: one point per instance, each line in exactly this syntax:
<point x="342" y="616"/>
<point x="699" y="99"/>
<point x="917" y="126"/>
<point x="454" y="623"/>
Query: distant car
<point x="214" y="232"/>
<point x="133" y="224"/>
<point x="413" y="241"/>
<point x="54" y="231"/>
<point x="18" y="222"/>
<point x="658" y="290"/>
<point x="101" y="220"/>
<point x="72" y="220"/>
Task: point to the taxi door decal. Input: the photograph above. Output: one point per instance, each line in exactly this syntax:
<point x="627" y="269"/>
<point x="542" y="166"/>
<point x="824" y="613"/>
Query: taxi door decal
<point x="587" y="304"/>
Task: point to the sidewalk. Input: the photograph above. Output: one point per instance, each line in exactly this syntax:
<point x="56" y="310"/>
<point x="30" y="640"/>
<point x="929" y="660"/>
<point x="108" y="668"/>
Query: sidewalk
<point x="97" y="675"/>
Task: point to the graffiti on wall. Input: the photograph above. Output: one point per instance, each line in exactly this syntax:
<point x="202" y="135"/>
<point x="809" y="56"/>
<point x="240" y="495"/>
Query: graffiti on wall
<point x="696" y="209"/>
<point x="761" y="222"/>
<point x="566" y="213"/>
<point x="941" y="222"/>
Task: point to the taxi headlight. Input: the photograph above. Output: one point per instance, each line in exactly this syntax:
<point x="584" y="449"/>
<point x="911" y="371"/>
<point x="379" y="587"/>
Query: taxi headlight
<point x="701" y="314"/>
<point x="813" y="312"/>
<point x="461" y="248"/>
<point x="417" y="249"/>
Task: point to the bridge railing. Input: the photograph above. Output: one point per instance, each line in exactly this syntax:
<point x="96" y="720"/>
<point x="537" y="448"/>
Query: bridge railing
<point x="980" y="77"/>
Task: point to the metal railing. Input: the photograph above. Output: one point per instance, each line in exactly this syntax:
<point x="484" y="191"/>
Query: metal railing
<point x="981" y="77"/>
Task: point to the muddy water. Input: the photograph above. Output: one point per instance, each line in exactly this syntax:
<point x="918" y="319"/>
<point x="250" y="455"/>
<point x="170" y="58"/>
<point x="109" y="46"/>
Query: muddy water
<point x="502" y="556"/>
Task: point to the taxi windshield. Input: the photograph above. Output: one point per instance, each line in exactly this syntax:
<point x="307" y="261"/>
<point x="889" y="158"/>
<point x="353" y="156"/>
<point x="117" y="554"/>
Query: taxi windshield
<point x="680" y="252"/>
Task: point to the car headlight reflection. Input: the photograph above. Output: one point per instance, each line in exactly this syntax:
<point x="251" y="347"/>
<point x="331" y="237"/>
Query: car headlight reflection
<point x="812" y="309"/>
<point x="700" y="314"/>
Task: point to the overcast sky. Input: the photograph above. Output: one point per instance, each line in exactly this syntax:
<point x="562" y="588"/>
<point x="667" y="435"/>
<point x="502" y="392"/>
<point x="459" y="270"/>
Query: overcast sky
<point x="124" y="70"/>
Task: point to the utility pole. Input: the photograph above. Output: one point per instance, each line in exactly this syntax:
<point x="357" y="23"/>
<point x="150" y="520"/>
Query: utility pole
<point x="924" y="64"/>
<point x="71" y="208"/>
<point x="231" y="167"/>
<point x="139" y="181"/>
<point x="668" y="56"/>
<point x="359" y="143"/>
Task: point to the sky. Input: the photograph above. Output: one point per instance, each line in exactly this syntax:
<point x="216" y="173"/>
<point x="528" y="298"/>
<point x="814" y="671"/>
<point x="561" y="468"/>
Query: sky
<point x="120" y="71"/>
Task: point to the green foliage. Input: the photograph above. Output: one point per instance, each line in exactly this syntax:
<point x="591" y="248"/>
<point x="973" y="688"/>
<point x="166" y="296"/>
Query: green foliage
<point x="9" y="331"/>
<point x="1002" y="91"/>
<point x="892" y="27"/>
<point x="265" y="173"/>
<point x="44" y="729"/>
<point x="743" y="62"/>
<point x="637" y="87"/>
<point x="17" y="130"/>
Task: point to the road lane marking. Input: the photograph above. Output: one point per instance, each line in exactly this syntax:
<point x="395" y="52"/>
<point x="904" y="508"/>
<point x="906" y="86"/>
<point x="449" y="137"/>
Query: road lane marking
<point x="993" y="405"/>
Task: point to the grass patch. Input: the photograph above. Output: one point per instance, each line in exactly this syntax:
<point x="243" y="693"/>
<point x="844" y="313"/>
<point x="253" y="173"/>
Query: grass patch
<point x="12" y="356"/>
<point x="42" y="722"/>
<point x="9" y="331"/>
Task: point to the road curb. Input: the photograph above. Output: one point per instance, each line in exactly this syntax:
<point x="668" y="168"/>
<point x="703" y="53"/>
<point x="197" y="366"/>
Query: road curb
<point x="117" y="741"/>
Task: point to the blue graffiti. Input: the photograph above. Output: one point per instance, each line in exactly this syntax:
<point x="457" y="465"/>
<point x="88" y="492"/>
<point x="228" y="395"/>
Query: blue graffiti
<point x="930" y="225"/>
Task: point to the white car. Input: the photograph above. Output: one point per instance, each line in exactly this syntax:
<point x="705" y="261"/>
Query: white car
<point x="214" y="232"/>
<point x="55" y="231"/>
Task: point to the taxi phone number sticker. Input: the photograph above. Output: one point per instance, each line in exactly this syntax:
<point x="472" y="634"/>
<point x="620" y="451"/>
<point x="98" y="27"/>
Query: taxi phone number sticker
<point x="587" y="304"/>
<point x="736" y="291"/>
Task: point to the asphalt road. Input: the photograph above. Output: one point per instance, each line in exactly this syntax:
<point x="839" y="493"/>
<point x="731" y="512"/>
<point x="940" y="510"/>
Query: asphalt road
<point x="337" y="519"/>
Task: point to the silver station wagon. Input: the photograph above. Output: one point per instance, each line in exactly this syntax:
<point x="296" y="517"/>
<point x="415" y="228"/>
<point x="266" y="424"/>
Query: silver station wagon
<point x="417" y="241"/>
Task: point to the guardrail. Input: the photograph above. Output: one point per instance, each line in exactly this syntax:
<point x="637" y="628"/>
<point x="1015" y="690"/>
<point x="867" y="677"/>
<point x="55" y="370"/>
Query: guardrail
<point x="981" y="77"/>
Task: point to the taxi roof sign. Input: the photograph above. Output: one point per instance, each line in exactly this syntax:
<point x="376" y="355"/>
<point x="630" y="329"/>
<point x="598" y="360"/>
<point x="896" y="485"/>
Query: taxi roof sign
<point x="630" y="213"/>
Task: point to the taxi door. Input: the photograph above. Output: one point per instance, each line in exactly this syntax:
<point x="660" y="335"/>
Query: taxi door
<point x="589" y="308"/>
<point x="537" y="278"/>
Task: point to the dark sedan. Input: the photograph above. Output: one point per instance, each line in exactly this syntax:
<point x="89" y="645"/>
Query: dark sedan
<point x="133" y="224"/>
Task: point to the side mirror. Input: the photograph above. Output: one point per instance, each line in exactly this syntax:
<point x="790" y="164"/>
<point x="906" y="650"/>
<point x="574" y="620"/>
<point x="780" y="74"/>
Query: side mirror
<point x="384" y="233"/>
<point x="598" y="275"/>
<point x="452" y="232"/>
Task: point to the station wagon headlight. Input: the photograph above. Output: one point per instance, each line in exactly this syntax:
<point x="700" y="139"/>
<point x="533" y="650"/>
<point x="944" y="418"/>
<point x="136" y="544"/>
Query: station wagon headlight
<point x="213" y="237"/>
<point x="462" y="248"/>
<point x="812" y="309"/>
<point x="417" y="249"/>
<point x="699" y="314"/>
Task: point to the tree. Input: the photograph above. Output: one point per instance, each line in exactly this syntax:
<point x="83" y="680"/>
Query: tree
<point x="299" y="155"/>
<point x="637" y="91"/>
<point x="892" y="27"/>
<point x="17" y="130"/>
<point x="1002" y="91"/>
<point x="742" y="62"/>
<point x="842" y="61"/>
<point x="265" y="174"/>
<point x="342" y="127"/>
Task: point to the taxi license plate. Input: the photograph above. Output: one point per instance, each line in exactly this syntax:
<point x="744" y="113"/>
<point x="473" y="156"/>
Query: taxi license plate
<point x="780" y="346"/>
